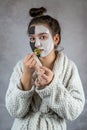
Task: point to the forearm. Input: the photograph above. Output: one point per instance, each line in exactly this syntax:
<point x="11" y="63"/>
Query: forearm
<point x="26" y="82"/>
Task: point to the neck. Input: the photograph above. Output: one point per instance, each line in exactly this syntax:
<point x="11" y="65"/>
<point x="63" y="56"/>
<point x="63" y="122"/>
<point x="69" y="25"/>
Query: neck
<point x="49" y="60"/>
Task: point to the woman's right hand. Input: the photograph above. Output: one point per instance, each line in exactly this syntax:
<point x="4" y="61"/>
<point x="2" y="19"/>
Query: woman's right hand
<point x="29" y="64"/>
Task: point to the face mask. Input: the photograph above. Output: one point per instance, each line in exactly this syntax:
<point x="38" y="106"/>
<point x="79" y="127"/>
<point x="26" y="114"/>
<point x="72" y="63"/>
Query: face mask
<point x="46" y="45"/>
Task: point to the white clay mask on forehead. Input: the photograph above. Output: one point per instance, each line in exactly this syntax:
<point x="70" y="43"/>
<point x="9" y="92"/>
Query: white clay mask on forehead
<point x="45" y="44"/>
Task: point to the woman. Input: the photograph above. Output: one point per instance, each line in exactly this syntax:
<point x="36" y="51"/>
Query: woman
<point x="45" y="88"/>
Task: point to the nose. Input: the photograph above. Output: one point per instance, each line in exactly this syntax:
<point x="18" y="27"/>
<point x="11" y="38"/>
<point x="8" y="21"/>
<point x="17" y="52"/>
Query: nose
<point x="37" y="43"/>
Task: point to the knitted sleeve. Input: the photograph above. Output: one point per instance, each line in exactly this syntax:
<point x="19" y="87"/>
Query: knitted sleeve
<point x="67" y="101"/>
<point x="17" y="101"/>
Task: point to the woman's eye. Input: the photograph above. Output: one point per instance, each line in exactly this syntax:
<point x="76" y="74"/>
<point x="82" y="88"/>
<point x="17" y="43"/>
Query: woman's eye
<point x="43" y="37"/>
<point x="32" y="39"/>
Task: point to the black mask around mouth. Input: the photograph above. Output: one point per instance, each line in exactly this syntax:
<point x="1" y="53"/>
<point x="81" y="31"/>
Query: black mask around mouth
<point x="32" y="44"/>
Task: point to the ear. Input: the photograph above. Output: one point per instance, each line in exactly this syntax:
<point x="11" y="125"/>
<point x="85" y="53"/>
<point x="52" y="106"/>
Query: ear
<point x="56" y="39"/>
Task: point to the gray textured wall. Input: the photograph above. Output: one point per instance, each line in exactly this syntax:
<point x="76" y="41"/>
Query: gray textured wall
<point x="72" y="15"/>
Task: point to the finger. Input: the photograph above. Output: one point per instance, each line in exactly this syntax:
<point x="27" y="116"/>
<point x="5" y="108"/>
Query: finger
<point x="45" y="68"/>
<point x="42" y="82"/>
<point x="29" y="62"/>
<point x="34" y="64"/>
<point x="41" y="71"/>
<point x="37" y="83"/>
<point x="32" y="61"/>
<point x="39" y="79"/>
<point x="44" y="76"/>
<point x="28" y="56"/>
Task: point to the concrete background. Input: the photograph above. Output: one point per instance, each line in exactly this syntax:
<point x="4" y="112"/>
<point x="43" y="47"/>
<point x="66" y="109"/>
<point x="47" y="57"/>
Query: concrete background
<point x="72" y="15"/>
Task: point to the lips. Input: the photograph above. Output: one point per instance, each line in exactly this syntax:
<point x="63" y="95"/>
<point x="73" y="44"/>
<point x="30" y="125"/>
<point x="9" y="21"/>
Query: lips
<point x="41" y="49"/>
<point x="38" y="51"/>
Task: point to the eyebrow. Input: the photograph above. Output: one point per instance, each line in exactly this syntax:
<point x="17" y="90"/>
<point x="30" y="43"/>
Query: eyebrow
<point x="39" y="34"/>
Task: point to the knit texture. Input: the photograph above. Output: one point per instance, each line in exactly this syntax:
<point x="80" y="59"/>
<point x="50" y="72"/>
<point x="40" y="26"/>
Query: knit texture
<point x="47" y="108"/>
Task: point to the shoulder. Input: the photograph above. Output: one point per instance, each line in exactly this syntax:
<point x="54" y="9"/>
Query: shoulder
<point x="65" y="63"/>
<point x="67" y="68"/>
<point x="67" y="59"/>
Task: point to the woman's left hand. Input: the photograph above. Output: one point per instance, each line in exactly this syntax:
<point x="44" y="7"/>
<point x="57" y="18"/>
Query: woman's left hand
<point x="45" y="78"/>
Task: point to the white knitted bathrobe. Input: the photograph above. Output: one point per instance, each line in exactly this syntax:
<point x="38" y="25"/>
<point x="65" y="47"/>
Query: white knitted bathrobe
<point x="48" y="108"/>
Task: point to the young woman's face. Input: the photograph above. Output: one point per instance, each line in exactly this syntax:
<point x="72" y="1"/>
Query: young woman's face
<point x="40" y="37"/>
